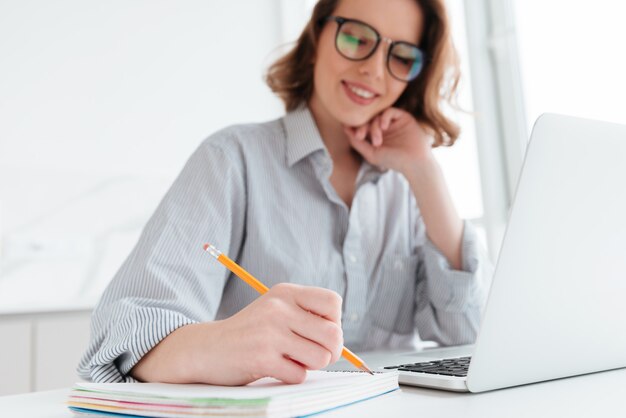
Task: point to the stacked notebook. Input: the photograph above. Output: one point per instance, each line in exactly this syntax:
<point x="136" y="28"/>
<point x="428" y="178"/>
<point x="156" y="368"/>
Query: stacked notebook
<point x="266" y="397"/>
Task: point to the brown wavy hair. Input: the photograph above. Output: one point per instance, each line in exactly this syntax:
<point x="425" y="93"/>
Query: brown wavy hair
<point x="291" y="76"/>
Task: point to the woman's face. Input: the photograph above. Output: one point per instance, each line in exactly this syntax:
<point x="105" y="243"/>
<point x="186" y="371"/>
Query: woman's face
<point x="353" y="92"/>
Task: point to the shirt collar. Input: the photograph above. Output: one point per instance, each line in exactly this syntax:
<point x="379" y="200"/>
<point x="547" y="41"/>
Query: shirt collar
<point x="303" y="137"/>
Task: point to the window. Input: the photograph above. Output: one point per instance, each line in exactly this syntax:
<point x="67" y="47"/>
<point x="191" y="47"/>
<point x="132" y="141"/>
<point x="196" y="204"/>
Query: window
<point x="460" y="162"/>
<point x="572" y="58"/>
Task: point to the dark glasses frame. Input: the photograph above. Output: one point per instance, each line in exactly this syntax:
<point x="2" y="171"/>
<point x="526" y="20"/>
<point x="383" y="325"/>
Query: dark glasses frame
<point x="340" y="22"/>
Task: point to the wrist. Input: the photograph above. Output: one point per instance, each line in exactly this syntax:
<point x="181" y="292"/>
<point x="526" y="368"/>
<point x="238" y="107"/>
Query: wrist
<point x="197" y="354"/>
<point x="163" y="362"/>
<point x="424" y="170"/>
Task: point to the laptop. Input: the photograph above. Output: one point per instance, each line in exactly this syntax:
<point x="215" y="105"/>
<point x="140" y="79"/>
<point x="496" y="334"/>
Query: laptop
<point x="557" y="304"/>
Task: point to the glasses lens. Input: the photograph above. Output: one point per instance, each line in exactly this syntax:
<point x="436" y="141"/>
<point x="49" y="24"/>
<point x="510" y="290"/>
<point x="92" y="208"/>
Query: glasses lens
<point x="405" y="61"/>
<point x="356" y="40"/>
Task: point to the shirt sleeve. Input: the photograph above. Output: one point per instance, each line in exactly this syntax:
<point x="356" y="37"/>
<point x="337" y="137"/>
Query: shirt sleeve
<point x="168" y="281"/>
<point x="449" y="302"/>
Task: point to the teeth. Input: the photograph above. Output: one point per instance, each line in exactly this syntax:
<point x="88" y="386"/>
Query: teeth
<point x="361" y="93"/>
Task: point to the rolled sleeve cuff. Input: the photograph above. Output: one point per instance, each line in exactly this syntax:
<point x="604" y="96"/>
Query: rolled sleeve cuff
<point x="128" y="343"/>
<point x="455" y="290"/>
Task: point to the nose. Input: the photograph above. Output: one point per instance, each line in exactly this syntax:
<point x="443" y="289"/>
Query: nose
<point x="374" y="66"/>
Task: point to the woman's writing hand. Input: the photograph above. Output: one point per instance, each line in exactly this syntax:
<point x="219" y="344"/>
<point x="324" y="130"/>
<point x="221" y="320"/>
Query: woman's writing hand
<point x="283" y="333"/>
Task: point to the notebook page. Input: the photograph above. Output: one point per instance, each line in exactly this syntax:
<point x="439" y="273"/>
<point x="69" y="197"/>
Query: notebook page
<point x="263" y="388"/>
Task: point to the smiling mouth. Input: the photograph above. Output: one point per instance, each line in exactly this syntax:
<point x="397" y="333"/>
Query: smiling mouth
<point x="361" y="92"/>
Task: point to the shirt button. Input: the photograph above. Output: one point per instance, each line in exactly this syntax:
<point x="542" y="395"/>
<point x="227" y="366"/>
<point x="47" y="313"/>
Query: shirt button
<point x="354" y="317"/>
<point x="352" y="258"/>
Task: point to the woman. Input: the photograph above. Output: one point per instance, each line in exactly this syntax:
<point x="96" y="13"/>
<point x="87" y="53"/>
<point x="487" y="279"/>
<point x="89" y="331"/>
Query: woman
<point x="339" y="207"/>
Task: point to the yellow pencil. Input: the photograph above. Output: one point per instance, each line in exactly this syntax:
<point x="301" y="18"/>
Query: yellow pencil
<point x="261" y="288"/>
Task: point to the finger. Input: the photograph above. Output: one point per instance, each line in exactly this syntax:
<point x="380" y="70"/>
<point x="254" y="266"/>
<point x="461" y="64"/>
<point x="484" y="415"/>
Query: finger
<point x="309" y="354"/>
<point x="364" y="148"/>
<point x="376" y="133"/>
<point x="320" y="301"/>
<point x="288" y="371"/>
<point x="361" y="132"/>
<point x="318" y="330"/>
<point x="388" y="116"/>
<point x="350" y="132"/>
<point x="356" y="132"/>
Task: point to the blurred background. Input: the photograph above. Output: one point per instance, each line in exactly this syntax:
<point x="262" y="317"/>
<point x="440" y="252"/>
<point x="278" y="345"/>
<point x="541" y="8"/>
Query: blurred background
<point x="101" y="103"/>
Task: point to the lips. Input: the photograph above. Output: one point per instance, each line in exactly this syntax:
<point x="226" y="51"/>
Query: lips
<point x="359" y="93"/>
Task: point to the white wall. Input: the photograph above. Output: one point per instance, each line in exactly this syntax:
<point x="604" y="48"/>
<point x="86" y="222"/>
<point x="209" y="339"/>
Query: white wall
<point x="101" y="104"/>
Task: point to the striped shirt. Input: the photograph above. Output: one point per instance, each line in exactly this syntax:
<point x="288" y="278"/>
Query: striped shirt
<point x="261" y="193"/>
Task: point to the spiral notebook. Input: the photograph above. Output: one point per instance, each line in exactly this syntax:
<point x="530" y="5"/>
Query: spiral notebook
<point x="267" y="397"/>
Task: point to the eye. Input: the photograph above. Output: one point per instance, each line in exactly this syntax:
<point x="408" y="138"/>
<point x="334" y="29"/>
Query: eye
<point x="354" y="40"/>
<point x="405" y="55"/>
<point x="405" y="61"/>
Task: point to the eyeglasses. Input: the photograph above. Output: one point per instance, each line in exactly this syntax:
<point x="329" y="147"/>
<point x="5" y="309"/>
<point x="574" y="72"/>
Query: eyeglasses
<point x="357" y="41"/>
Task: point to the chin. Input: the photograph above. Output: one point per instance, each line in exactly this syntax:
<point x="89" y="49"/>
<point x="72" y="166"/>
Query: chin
<point x="357" y="118"/>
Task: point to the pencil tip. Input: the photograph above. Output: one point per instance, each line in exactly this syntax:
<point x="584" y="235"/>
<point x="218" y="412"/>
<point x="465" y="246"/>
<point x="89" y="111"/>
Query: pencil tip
<point x="366" y="369"/>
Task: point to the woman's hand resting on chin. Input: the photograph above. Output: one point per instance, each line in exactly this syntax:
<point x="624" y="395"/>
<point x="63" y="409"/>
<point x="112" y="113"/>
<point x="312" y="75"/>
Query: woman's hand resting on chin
<point x="396" y="140"/>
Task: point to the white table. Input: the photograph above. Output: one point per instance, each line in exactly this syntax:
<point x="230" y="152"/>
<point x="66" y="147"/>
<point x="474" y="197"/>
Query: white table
<point x="600" y="394"/>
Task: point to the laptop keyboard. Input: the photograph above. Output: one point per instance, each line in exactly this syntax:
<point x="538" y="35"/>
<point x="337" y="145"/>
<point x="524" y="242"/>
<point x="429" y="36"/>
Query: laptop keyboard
<point x="447" y="367"/>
